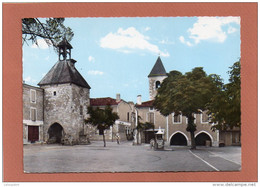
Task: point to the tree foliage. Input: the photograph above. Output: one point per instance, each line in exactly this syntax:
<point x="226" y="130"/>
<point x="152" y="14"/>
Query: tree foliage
<point x="185" y="94"/>
<point x="52" y="30"/>
<point x="224" y="108"/>
<point x="102" y="119"/>
<point x="143" y="126"/>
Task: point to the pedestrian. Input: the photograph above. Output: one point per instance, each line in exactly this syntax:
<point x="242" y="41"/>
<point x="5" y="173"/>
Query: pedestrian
<point x="117" y="138"/>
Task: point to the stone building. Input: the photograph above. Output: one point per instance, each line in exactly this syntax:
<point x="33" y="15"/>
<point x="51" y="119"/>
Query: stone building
<point x="174" y="126"/>
<point x="123" y="127"/>
<point x="32" y="114"/>
<point x="55" y="111"/>
<point x="66" y="97"/>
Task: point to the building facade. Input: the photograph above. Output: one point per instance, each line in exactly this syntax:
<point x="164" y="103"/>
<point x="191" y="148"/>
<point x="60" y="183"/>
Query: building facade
<point x="174" y="126"/>
<point x="123" y="127"/>
<point x="32" y="114"/>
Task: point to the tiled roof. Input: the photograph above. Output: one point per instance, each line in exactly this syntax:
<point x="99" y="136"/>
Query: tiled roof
<point x="64" y="72"/>
<point x="103" y="101"/>
<point x="145" y="104"/>
<point x="158" y="69"/>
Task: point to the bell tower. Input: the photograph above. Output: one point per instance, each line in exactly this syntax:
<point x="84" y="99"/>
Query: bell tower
<point x="64" y="49"/>
<point x="66" y="98"/>
<point x="156" y="77"/>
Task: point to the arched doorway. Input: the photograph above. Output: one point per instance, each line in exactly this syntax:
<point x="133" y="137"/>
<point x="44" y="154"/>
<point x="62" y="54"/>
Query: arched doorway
<point x="201" y="139"/>
<point x="178" y="139"/>
<point x="55" y="133"/>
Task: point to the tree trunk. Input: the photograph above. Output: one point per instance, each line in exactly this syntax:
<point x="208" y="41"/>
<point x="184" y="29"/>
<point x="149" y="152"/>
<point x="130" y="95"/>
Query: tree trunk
<point x="104" y="140"/>
<point x="191" y="127"/>
<point x="138" y="137"/>
<point x="193" y="143"/>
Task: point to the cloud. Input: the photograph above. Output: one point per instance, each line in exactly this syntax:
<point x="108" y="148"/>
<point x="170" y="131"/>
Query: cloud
<point x="211" y="29"/>
<point x="231" y="30"/>
<point x="29" y="80"/>
<point x="41" y="44"/>
<point x="182" y="40"/>
<point x="95" y="72"/>
<point x="130" y="40"/>
<point x="91" y="59"/>
<point x="166" y="41"/>
<point x="147" y="28"/>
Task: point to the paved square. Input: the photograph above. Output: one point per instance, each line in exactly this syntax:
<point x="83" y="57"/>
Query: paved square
<point x="128" y="158"/>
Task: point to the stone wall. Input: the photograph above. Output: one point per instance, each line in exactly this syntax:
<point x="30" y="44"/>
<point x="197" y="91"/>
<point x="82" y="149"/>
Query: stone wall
<point x="65" y="104"/>
<point x="152" y="88"/>
<point x="32" y="100"/>
<point x="28" y="103"/>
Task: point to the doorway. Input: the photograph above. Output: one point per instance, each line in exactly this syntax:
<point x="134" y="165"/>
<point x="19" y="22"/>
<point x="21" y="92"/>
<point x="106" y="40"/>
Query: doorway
<point x="55" y="133"/>
<point x="33" y="133"/>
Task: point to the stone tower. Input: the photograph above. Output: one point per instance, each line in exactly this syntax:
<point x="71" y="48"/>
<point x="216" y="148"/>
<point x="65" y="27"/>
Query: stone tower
<point x="66" y="98"/>
<point x="156" y="76"/>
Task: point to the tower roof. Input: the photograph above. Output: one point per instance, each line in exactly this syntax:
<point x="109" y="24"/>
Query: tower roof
<point x="64" y="72"/>
<point x="64" y="43"/>
<point x="158" y="69"/>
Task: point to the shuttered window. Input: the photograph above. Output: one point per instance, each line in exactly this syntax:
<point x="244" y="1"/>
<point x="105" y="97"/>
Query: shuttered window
<point x="33" y="114"/>
<point x="33" y="96"/>
<point x="150" y="117"/>
<point x="176" y="118"/>
<point x="128" y="116"/>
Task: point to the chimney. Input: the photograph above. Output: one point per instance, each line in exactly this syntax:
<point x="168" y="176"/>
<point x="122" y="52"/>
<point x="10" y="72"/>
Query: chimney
<point x="139" y="100"/>
<point x="118" y="97"/>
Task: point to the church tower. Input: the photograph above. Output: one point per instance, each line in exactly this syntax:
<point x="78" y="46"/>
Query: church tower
<point x="66" y="98"/>
<point x="156" y="77"/>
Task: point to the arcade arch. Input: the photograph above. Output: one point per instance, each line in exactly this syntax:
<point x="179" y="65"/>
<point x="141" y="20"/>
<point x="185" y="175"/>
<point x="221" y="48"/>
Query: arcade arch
<point x="179" y="138"/>
<point x="201" y="138"/>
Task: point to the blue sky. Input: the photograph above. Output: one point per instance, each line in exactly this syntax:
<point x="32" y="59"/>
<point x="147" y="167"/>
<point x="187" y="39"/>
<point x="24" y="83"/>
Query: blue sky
<point x="115" y="55"/>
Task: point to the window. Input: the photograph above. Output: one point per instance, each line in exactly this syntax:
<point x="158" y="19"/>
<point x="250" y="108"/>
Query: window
<point x="81" y="110"/>
<point x="151" y="109"/>
<point x="204" y="117"/>
<point x="133" y="117"/>
<point x="33" y="114"/>
<point x="157" y="84"/>
<point x="54" y="93"/>
<point x="150" y="117"/>
<point x="194" y="115"/>
<point x="128" y="116"/>
<point x="176" y="118"/>
<point x="33" y="96"/>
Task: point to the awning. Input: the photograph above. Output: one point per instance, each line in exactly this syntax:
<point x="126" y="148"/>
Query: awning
<point x="117" y="122"/>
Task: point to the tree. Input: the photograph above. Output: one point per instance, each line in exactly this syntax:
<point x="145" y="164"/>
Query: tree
<point x="142" y="127"/>
<point x="102" y="119"/>
<point x="52" y="30"/>
<point x="186" y="94"/>
<point x="224" y="107"/>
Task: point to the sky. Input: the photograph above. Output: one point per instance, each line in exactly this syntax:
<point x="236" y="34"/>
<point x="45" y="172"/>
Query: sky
<point x="116" y="55"/>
